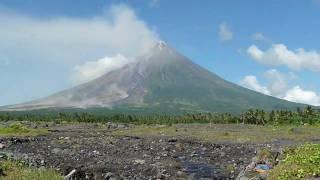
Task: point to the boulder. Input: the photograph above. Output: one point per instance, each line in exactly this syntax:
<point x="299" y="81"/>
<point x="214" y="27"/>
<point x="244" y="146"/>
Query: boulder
<point x="2" y="146"/>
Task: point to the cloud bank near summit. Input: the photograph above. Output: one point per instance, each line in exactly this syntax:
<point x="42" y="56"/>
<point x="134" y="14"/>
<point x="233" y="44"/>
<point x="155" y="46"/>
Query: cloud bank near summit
<point x="108" y="40"/>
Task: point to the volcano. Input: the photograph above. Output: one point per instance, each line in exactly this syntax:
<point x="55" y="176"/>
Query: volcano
<point x="161" y="80"/>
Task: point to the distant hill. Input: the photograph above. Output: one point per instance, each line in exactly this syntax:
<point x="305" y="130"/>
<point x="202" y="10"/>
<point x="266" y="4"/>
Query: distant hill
<point x="162" y="80"/>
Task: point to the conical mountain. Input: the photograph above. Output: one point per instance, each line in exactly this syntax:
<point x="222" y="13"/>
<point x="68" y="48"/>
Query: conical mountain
<point x="162" y="80"/>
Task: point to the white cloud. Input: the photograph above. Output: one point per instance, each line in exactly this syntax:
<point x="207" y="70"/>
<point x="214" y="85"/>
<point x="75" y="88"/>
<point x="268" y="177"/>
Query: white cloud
<point x="154" y="3"/>
<point x="296" y="94"/>
<point x="225" y="33"/>
<point x="260" y="37"/>
<point x="240" y="51"/>
<point x="252" y="83"/>
<point x="74" y="40"/>
<point x="278" y="86"/>
<point x="94" y="69"/>
<point x="279" y="55"/>
<point x="257" y="36"/>
<point x="255" y="52"/>
<point x="277" y="81"/>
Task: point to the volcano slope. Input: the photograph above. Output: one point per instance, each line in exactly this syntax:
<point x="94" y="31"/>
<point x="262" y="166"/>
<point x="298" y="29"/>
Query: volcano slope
<point x="160" y="81"/>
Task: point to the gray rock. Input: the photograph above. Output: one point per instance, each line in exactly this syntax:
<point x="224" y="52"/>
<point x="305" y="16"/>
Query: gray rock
<point x="172" y="140"/>
<point x="191" y="176"/>
<point x="56" y="150"/>
<point x="139" y="161"/>
<point x="181" y="174"/>
<point x="121" y="126"/>
<point x="222" y="154"/>
<point x="109" y="176"/>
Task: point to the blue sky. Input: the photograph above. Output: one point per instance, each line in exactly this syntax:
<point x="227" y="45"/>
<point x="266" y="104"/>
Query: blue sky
<point x="47" y="46"/>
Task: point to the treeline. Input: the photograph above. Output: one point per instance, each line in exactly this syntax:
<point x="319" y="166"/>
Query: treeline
<point x="252" y="116"/>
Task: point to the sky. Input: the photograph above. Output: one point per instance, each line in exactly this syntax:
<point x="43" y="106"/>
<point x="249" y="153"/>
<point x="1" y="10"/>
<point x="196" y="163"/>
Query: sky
<point x="267" y="46"/>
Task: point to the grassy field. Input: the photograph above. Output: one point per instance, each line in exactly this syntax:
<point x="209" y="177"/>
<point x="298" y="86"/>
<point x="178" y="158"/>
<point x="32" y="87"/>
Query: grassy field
<point x="17" y="129"/>
<point x="235" y="133"/>
<point x="10" y="170"/>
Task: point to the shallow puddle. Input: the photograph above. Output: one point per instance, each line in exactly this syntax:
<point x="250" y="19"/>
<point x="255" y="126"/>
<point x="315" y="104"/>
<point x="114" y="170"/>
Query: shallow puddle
<point x="199" y="170"/>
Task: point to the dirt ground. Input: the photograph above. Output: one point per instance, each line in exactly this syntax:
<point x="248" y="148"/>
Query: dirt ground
<point x="120" y="151"/>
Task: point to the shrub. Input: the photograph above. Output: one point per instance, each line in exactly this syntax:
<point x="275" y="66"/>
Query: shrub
<point x="300" y="163"/>
<point x="15" y="170"/>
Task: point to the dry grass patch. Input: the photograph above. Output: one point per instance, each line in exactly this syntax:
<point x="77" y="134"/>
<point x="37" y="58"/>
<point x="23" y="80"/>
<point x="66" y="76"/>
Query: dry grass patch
<point x="236" y="133"/>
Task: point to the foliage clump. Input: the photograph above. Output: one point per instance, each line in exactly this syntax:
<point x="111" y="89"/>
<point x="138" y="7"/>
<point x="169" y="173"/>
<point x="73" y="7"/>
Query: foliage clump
<point x="17" y="129"/>
<point x="300" y="163"/>
<point x="11" y="170"/>
<point x="305" y="116"/>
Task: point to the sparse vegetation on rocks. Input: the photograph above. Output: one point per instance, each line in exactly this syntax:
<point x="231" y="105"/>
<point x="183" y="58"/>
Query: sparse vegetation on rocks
<point x="14" y="170"/>
<point x="17" y="129"/>
<point x="302" y="162"/>
<point x="201" y="145"/>
<point x="150" y="151"/>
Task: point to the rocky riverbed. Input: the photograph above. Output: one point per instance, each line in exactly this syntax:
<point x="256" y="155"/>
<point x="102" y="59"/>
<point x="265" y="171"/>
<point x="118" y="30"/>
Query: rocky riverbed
<point x="93" y="151"/>
<point x="97" y="154"/>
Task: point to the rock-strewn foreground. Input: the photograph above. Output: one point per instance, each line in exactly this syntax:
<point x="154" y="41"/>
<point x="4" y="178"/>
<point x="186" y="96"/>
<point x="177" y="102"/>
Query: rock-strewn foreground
<point x="95" y="152"/>
<point x="98" y="154"/>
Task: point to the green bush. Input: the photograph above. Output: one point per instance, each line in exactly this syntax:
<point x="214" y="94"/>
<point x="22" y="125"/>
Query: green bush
<point x="18" y="127"/>
<point x="300" y="163"/>
<point x="11" y="170"/>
